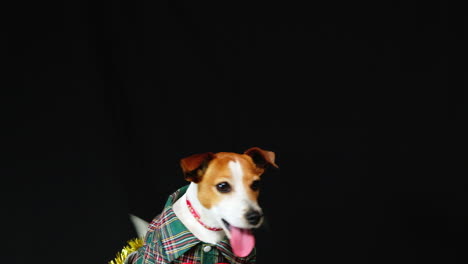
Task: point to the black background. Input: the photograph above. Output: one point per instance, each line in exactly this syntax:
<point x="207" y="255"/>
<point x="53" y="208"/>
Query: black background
<point x="101" y="100"/>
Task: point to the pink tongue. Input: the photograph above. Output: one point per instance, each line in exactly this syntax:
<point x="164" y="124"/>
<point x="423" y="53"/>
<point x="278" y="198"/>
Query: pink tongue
<point x="242" y="241"/>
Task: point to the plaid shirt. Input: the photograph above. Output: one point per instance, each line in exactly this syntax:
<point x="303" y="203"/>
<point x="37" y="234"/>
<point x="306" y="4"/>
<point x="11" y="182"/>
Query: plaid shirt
<point x="169" y="241"/>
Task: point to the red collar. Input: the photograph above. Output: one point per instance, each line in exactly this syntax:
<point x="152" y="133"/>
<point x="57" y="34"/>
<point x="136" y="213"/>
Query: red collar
<point x="197" y="217"/>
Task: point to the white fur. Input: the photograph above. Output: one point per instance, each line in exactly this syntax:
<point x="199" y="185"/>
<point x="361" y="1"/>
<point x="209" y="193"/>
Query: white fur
<point x="181" y="210"/>
<point x="232" y="208"/>
<point x="141" y="226"/>
<point x="237" y="203"/>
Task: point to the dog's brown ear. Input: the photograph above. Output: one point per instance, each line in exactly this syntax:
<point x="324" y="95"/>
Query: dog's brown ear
<point x="262" y="158"/>
<point x="194" y="166"/>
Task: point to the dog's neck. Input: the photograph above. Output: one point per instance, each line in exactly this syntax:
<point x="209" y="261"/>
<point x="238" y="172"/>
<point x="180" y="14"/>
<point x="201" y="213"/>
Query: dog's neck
<point x="206" y="216"/>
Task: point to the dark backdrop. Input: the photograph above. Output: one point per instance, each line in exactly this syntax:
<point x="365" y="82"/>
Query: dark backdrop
<point x="101" y="100"/>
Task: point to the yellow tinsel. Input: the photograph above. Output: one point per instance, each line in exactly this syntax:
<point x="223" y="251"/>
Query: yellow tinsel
<point x="132" y="245"/>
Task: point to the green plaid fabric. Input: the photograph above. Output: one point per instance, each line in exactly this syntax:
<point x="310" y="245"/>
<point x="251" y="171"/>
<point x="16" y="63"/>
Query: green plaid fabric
<point x="169" y="241"/>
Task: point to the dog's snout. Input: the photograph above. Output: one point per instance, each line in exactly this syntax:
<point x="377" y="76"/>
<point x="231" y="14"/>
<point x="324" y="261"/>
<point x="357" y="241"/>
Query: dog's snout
<point x="253" y="217"/>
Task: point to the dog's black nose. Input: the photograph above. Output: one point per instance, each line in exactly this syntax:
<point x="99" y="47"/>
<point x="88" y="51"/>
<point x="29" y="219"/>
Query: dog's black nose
<point x="253" y="217"/>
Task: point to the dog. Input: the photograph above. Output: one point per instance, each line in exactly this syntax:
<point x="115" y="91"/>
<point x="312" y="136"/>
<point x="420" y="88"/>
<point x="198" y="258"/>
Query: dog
<point x="211" y="219"/>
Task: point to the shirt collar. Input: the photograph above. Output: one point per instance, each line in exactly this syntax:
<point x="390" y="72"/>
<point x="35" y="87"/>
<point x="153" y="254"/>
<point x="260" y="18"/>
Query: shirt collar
<point x="174" y="237"/>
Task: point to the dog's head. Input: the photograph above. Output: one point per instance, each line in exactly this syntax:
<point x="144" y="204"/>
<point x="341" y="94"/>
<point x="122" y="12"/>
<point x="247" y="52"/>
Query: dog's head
<point x="228" y="186"/>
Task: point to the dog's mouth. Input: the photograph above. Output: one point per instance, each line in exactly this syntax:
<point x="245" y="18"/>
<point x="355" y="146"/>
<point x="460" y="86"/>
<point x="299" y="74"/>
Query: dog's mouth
<point x="241" y="239"/>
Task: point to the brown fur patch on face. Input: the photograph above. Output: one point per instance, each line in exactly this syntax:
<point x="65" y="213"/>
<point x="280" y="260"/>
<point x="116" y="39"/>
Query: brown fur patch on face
<point x="251" y="174"/>
<point x="218" y="171"/>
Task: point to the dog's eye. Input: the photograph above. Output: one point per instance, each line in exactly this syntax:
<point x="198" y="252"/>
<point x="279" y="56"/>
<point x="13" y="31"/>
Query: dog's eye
<point x="223" y="187"/>
<point x="255" y="185"/>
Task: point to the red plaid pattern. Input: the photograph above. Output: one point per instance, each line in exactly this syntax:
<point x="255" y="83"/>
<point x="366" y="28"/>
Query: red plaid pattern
<point x="169" y="241"/>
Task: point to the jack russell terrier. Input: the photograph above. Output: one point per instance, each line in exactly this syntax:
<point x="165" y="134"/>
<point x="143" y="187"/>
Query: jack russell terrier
<point x="211" y="219"/>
